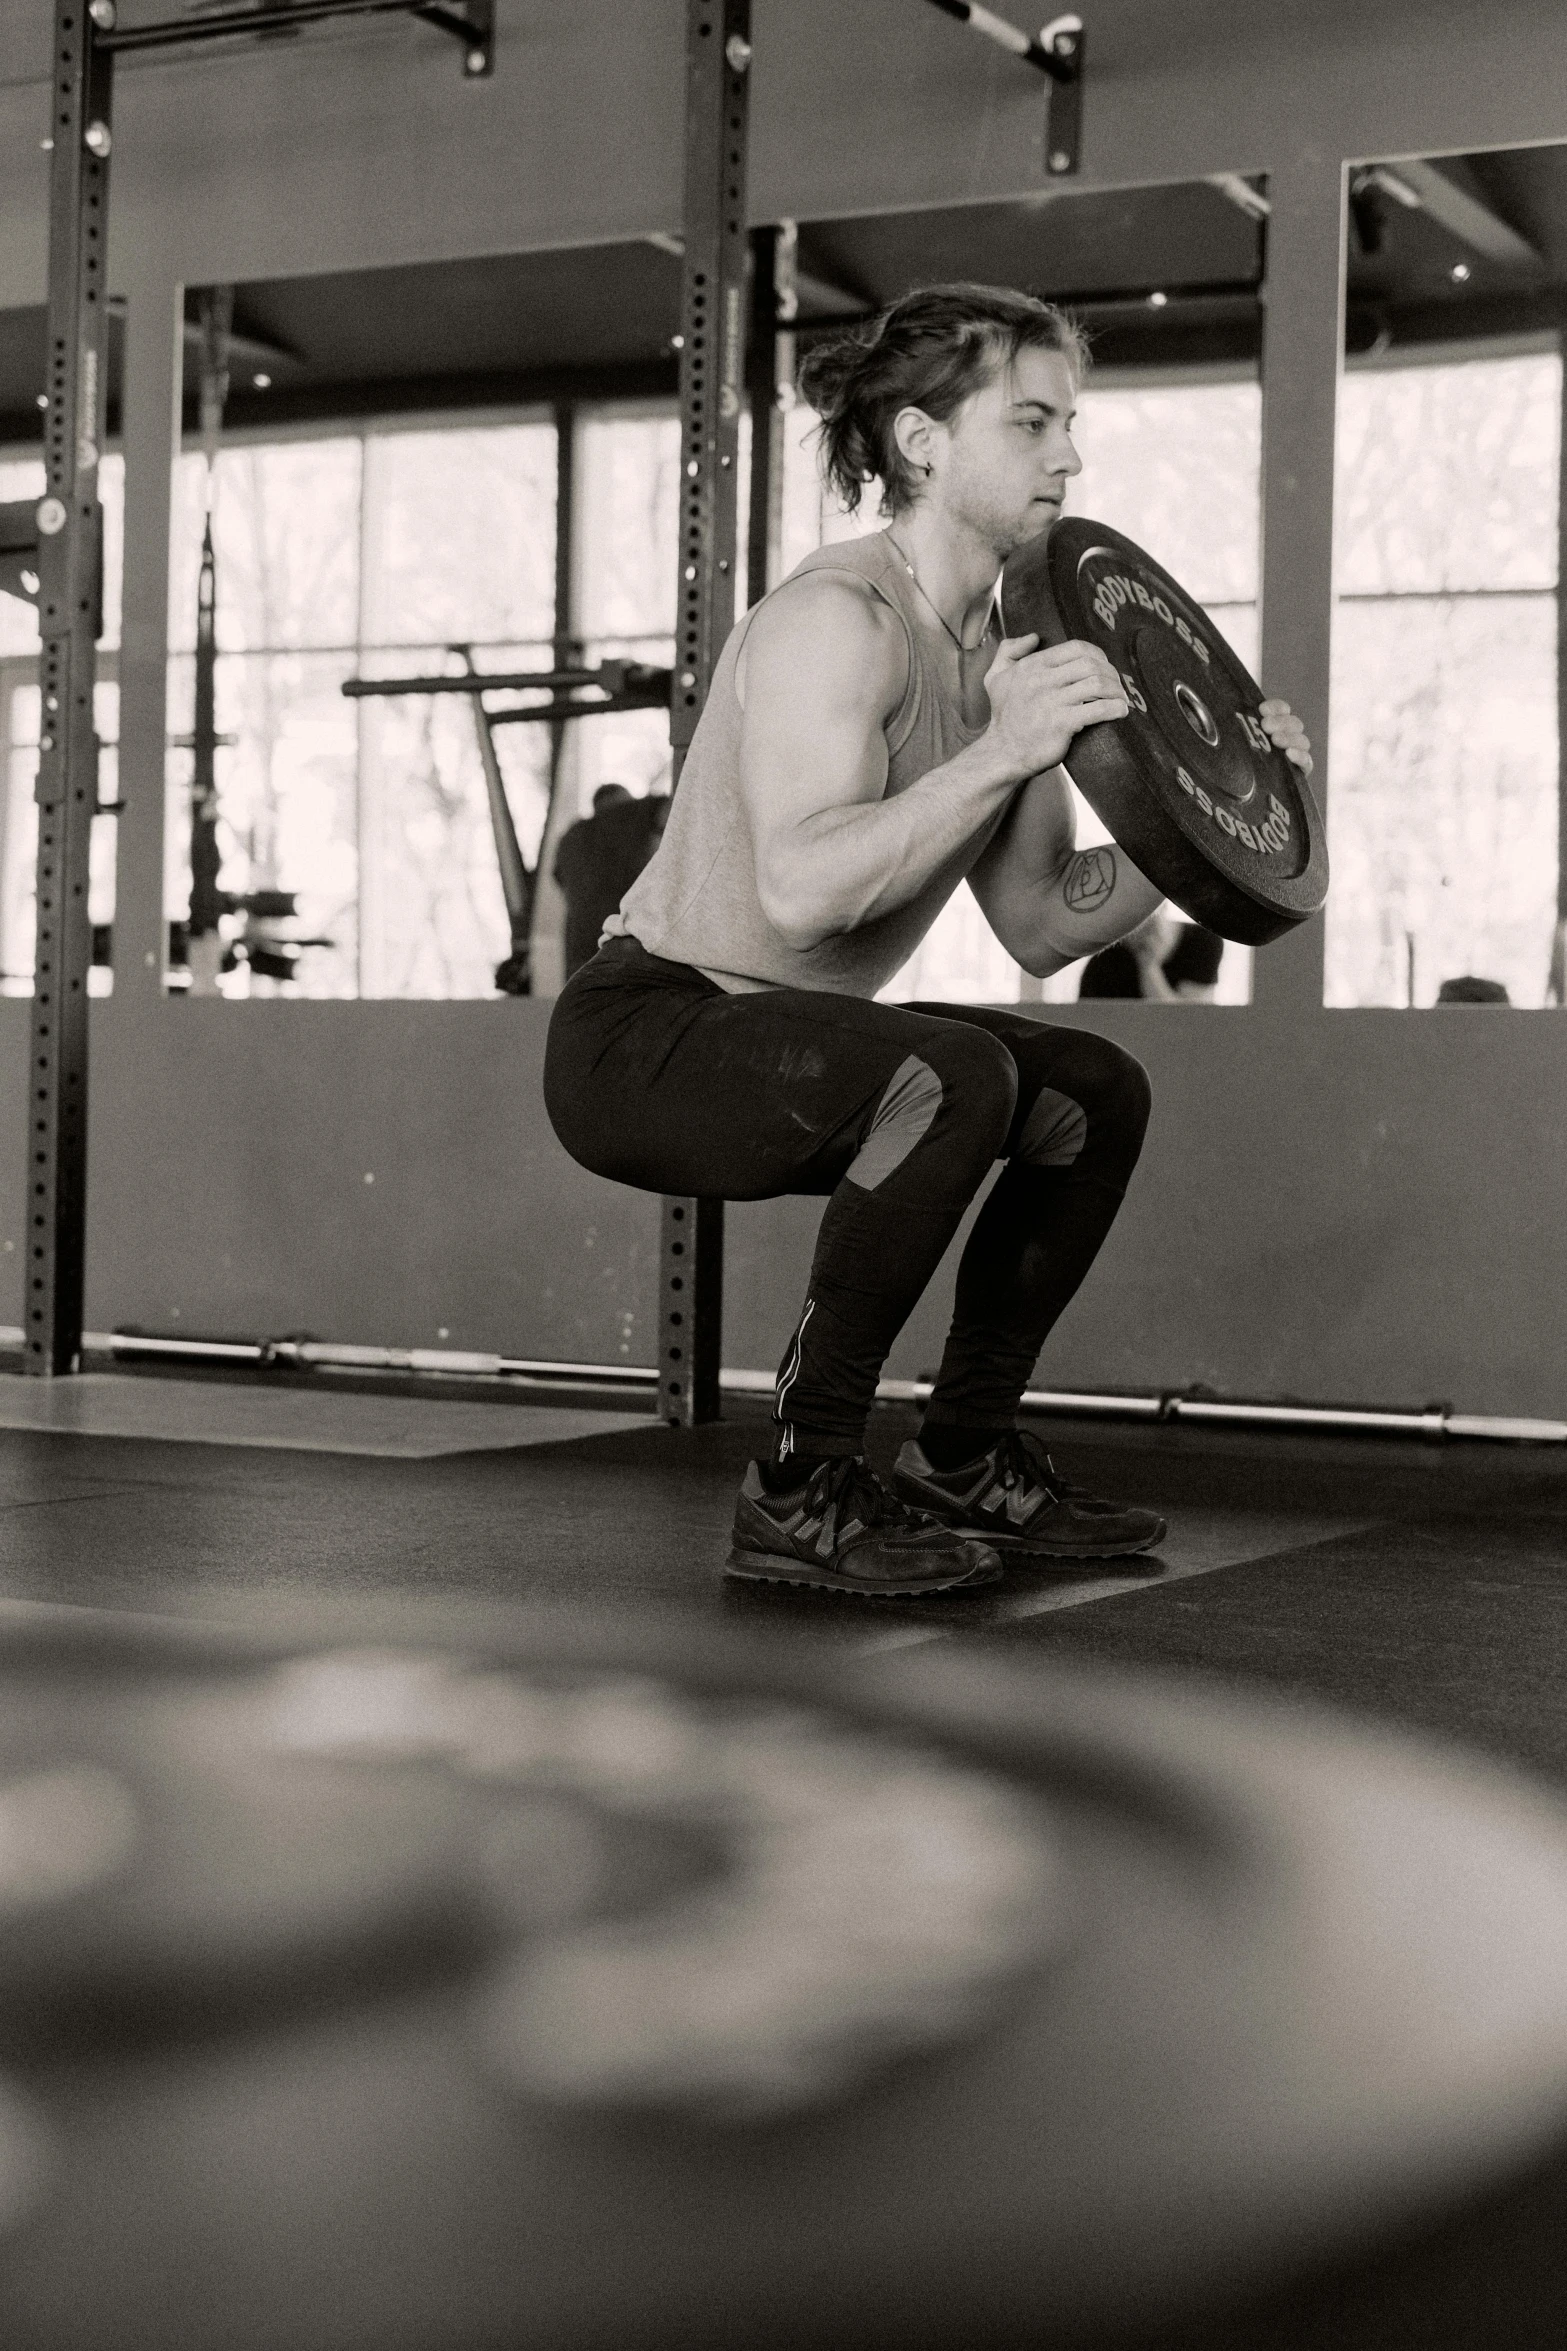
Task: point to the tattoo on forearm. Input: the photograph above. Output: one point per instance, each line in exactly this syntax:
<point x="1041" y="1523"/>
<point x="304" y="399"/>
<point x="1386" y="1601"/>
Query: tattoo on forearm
<point x="1090" y="878"/>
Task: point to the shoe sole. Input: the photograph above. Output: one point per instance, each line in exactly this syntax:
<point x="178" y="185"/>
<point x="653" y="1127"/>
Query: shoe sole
<point x="766" y="1567"/>
<point x="1020" y="1547"/>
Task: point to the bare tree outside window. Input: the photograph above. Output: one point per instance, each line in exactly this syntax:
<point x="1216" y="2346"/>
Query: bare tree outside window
<point x="1443" y="805"/>
<point x="628" y="508"/>
<point x="19" y="716"/>
<point x="374" y="553"/>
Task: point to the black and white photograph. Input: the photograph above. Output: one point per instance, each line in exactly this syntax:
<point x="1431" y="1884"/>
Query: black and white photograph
<point x="783" y="1212"/>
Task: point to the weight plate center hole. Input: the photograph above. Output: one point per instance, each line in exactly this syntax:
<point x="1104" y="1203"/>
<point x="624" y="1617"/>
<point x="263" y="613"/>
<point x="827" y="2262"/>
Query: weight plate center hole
<point x="1197" y="715"/>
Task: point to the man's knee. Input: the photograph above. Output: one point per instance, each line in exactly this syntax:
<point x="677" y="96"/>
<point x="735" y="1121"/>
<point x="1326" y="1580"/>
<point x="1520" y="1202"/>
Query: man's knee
<point x="1127" y="1094"/>
<point x="1099" y="1103"/>
<point x="962" y="1084"/>
<point x="980" y="1082"/>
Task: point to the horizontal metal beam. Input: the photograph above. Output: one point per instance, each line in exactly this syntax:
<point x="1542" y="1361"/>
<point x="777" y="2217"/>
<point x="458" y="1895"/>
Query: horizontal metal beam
<point x="557" y="712"/>
<point x="474" y="28"/>
<point x="1238" y="190"/>
<point x="1461" y="212"/>
<point x="611" y="678"/>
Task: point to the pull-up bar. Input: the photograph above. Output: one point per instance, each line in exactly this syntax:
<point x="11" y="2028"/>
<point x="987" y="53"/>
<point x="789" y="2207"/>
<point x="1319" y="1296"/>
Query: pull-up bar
<point x="473" y="24"/>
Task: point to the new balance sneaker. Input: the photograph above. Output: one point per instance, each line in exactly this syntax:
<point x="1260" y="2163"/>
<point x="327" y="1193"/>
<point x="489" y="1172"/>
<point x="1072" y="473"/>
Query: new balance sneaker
<point x="844" y="1532"/>
<point x="1015" y="1499"/>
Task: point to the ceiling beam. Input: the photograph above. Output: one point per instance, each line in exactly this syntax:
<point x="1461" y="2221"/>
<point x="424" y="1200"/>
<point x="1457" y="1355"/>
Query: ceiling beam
<point x="1460" y="209"/>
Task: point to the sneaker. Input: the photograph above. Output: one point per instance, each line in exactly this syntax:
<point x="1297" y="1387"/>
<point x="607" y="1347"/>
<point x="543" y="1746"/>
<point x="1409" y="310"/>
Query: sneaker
<point x="1015" y="1499"/>
<point x="844" y="1532"/>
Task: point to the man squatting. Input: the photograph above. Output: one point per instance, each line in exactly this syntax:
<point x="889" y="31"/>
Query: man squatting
<point x="870" y="741"/>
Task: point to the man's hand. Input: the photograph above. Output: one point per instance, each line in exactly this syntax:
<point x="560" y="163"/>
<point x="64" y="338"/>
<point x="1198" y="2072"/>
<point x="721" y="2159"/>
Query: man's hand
<point x="1288" y="733"/>
<point x="1040" y="700"/>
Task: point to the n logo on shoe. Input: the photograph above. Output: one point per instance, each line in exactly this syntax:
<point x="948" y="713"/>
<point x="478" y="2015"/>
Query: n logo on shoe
<point x="1012" y="1502"/>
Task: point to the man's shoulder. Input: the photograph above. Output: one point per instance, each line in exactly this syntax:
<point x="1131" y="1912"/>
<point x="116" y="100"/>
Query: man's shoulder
<point x="828" y="617"/>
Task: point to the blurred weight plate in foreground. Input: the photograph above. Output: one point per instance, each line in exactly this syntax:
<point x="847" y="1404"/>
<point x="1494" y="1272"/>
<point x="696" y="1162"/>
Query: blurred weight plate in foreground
<point x="437" y="1981"/>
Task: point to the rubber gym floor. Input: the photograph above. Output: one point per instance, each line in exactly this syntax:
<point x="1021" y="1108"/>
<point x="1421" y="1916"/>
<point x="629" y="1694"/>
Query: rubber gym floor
<point x="1423" y="1583"/>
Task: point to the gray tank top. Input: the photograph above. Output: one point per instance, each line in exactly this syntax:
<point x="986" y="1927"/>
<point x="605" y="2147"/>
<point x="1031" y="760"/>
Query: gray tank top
<point x="696" y="901"/>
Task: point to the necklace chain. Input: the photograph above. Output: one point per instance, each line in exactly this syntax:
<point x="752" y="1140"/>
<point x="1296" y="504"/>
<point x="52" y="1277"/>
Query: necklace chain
<point x="936" y="609"/>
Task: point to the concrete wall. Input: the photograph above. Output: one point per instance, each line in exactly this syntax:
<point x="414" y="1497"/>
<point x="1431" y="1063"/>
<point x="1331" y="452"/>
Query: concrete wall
<point x="1333" y="1204"/>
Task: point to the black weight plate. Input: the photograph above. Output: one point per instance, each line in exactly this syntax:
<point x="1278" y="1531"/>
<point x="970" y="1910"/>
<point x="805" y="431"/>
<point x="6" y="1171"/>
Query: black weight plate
<point x="1015" y="2009"/>
<point x="168" y="1859"/>
<point x="1190" y="784"/>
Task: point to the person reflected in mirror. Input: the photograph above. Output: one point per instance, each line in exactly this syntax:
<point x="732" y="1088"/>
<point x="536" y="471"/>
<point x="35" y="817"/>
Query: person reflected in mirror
<point x="1468" y="989"/>
<point x="599" y="858"/>
<point x="1164" y="960"/>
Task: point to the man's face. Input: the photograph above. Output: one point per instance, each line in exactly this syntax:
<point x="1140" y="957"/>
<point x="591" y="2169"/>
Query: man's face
<point x="1002" y="462"/>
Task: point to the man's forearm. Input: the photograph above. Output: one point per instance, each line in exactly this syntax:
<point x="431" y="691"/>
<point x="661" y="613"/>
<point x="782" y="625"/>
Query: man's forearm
<point x="843" y="867"/>
<point x="1098" y="897"/>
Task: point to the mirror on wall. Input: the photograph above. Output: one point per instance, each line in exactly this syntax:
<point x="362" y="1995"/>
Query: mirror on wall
<point x="1446" y="806"/>
<point x="420" y="467"/>
<point x="1167" y="283"/>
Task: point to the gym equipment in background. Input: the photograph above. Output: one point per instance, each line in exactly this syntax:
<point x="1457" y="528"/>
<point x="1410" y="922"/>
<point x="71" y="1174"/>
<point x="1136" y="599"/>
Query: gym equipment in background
<point x="558" y="695"/>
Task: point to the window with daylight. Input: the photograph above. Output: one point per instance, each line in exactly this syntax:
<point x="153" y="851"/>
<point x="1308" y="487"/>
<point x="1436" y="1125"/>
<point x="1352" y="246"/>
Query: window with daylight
<point x="1444" y="799"/>
<point x="627" y="521"/>
<point x="405" y="551"/>
<point x="390" y="554"/>
<point x="23" y="477"/>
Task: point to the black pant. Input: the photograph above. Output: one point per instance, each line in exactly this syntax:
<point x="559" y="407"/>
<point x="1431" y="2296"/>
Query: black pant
<point x="655" y="1077"/>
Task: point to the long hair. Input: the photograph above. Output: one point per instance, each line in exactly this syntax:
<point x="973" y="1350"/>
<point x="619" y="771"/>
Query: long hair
<point x="930" y="350"/>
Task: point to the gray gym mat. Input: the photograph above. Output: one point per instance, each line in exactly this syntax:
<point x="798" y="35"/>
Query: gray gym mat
<point x="308" y="1420"/>
<point x="1200" y="1540"/>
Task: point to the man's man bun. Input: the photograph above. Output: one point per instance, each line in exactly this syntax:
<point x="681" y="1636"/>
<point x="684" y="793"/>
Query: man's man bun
<point x="930" y="350"/>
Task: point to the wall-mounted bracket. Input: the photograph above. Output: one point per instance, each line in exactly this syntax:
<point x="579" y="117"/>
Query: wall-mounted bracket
<point x="1058" y="52"/>
<point x="1061" y="46"/>
<point x="473" y="24"/>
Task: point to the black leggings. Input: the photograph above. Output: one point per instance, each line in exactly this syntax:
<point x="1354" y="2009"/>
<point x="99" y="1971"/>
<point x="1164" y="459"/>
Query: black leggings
<point x="655" y="1077"/>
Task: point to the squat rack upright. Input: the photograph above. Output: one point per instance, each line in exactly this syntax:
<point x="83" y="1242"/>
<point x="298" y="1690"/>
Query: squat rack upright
<point x="727" y="278"/>
<point x="57" y="545"/>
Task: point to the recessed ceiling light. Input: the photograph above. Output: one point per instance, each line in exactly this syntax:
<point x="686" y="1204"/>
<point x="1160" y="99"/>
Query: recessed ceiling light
<point x="1157" y="301"/>
<point x="262" y="383"/>
<point x="1461" y="273"/>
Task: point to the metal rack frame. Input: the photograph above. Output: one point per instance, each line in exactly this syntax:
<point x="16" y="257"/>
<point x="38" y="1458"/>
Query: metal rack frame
<point x="713" y="316"/>
<point x="58" y="543"/>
